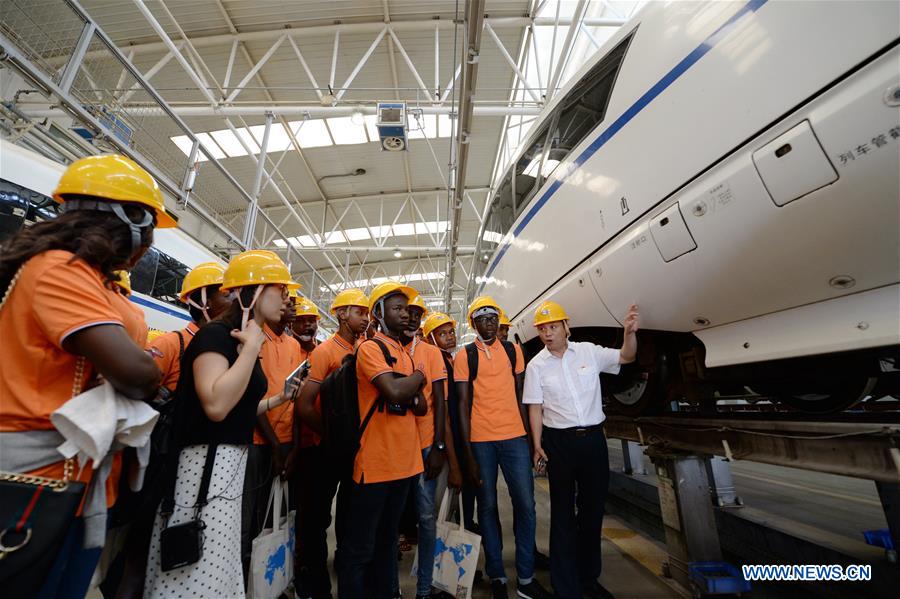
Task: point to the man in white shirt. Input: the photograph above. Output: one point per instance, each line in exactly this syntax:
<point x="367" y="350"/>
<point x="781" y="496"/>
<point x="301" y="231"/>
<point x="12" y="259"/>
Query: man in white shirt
<point x="562" y="388"/>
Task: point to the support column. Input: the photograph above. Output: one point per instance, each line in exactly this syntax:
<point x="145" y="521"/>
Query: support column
<point x="889" y="493"/>
<point x="721" y="483"/>
<point x="632" y="458"/>
<point x="252" y="210"/>
<point x="687" y="512"/>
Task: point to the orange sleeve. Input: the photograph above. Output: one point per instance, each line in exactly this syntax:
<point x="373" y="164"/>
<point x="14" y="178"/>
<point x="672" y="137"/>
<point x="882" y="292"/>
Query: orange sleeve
<point x="319" y="364"/>
<point x="166" y="353"/>
<point x="520" y="359"/>
<point x="68" y="299"/>
<point x="370" y="361"/>
<point x="436" y="369"/>
<point x="461" y="365"/>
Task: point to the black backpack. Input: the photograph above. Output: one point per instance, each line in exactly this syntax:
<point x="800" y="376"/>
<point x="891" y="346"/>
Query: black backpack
<point x="341" y="425"/>
<point x="472" y="358"/>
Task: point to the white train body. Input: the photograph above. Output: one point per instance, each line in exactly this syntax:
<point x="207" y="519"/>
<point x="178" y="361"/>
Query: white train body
<point x="37" y="173"/>
<point x="743" y="185"/>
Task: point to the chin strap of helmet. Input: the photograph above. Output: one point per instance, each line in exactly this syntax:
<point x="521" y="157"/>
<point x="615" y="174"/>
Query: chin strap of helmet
<point x="203" y="306"/>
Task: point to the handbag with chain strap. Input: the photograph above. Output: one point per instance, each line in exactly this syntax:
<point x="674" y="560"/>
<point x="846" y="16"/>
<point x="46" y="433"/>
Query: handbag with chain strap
<point x="36" y="514"/>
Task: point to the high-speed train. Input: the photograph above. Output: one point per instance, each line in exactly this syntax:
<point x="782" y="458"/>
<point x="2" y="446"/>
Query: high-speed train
<point x="733" y="168"/>
<point x="172" y="254"/>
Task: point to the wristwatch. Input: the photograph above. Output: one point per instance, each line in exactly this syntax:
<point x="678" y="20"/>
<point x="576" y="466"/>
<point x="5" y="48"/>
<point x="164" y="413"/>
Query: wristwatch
<point x="440" y="445"/>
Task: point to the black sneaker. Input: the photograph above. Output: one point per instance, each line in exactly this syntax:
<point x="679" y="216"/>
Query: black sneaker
<point x="533" y="590"/>
<point x="595" y="590"/>
<point x="541" y="560"/>
<point x="498" y="590"/>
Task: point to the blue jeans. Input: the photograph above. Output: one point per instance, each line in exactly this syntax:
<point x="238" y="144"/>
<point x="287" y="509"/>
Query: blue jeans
<point x="426" y="504"/>
<point x="513" y="457"/>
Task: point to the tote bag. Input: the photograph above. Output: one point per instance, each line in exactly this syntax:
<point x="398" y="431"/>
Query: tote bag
<point x="456" y="552"/>
<point x="272" y="552"/>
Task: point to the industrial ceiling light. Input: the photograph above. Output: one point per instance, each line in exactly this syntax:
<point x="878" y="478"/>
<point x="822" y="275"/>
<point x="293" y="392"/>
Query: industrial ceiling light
<point x="357" y="117"/>
<point x="398" y="253"/>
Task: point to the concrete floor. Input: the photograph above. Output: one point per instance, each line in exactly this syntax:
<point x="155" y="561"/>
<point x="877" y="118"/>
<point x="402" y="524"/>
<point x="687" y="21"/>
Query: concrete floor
<point x="631" y="563"/>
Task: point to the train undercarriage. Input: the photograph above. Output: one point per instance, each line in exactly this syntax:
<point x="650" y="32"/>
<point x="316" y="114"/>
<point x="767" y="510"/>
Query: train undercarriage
<point x="669" y="375"/>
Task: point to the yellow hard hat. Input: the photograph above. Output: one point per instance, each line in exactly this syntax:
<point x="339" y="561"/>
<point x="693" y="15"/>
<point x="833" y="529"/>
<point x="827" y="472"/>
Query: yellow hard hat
<point x="256" y="267"/>
<point x="482" y="301"/>
<point x="549" y="312"/>
<point x="115" y="178"/>
<point x="350" y="297"/>
<point x="124" y="280"/>
<point x="435" y="320"/>
<point x="153" y="335"/>
<point x="387" y="288"/>
<point x="202" y="275"/>
<point x="504" y="319"/>
<point x="304" y="307"/>
<point x="419" y="303"/>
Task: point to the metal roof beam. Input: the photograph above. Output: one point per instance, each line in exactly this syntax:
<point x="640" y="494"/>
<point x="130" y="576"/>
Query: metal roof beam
<point x="308" y="111"/>
<point x="269" y="35"/>
<point x="470" y="56"/>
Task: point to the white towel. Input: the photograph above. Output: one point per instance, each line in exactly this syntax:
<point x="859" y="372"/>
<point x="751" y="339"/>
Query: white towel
<point x="95" y="425"/>
<point x="100" y="421"/>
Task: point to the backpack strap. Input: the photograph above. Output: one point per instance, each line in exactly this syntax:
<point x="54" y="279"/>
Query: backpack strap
<point x="362" y="426"/>
<point x="448" y="364"/>
<point x="391" y="360"/>
<point x="472" y="359"/>
<point x="379" y="402"/>
<point x="511" y="354"/>
<point x="180" y="345"/>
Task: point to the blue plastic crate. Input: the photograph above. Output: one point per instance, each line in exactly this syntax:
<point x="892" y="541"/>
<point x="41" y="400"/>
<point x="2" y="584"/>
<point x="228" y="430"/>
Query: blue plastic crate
<point x="718" y="578"/>
<point x="879" y="538"/>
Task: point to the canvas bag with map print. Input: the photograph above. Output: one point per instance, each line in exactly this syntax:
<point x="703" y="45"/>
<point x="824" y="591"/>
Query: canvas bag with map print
<point x="272" y="553"/>
<point x="456" y="551"/>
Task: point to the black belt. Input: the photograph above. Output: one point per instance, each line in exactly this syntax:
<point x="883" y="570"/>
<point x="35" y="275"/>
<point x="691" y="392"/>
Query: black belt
<point x="578" y="431"/>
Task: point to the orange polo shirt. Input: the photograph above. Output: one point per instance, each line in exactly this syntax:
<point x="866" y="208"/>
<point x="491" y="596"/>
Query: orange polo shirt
<point x="56" y="295"/>
<point x="326" y="358"/>
<point x="279" y="356"/>
<point x="165" y="350"/>
<point x="495" y="410"/>
<point x="389" y="447"/>
<point x="435" y="372"/>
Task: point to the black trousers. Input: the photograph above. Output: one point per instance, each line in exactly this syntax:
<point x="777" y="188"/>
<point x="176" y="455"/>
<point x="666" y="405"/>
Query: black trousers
<point x="368" y="563"/>
<point x="578" y="472"/>
<point x="317" y="479"/>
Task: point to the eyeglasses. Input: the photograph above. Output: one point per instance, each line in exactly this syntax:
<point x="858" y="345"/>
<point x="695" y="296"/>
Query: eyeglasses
<point x="487" y="318"/>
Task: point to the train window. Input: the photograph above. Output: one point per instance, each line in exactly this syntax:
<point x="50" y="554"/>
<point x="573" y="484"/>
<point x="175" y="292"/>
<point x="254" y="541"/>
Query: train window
<point x="158" y="275"/>
<point x="583" y="108"/>
<point x="20" y="207"/>
<point x="529" y="171"/>
<point x="579" y="113"/>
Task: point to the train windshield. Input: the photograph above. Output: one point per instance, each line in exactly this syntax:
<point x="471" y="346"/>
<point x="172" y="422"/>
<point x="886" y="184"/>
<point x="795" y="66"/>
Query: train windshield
<point x="562" y="130"/>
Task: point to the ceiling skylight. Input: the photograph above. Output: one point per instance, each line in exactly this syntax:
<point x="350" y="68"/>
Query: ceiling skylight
<point x="310" y="133"/>
<point x="365" y="234"/>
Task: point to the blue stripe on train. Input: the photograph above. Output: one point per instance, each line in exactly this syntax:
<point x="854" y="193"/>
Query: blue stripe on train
<point x="677" y="71"/>
<point x="164" y="309"/>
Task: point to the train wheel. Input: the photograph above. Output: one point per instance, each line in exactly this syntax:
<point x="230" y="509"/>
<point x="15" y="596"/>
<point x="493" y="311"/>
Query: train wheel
<point x="637" y="390"/>
<point x="828" y="398"/>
